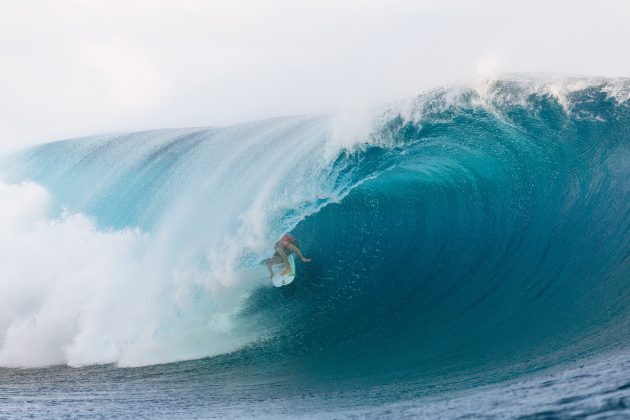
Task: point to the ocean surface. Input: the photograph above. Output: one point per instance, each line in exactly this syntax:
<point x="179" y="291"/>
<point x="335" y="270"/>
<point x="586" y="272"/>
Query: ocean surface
<point x="470" y="255"/>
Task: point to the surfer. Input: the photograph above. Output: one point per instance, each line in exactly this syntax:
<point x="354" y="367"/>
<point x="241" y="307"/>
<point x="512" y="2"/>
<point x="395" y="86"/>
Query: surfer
<point x="286" y="246"/>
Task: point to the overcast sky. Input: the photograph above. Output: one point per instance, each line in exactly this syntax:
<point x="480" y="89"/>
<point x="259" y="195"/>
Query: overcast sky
<point x="71" y="67"/>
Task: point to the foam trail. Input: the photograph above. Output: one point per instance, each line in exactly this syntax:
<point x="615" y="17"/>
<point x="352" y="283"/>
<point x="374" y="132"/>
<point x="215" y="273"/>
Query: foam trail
<point x="71" y="293"/>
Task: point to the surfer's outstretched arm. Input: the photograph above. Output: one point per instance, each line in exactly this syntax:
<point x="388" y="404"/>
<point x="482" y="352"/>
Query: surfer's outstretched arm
<point x="295" y="249"/>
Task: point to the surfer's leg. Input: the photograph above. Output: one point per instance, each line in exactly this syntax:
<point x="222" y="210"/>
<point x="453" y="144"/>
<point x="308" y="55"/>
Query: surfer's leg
<point x="285" y="258"/>
<point x="276" y="259"/>
<point x="268" y="264"/>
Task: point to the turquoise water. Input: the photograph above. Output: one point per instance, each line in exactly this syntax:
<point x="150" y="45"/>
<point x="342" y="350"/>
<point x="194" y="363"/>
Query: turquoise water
<point x="463" y="240"/>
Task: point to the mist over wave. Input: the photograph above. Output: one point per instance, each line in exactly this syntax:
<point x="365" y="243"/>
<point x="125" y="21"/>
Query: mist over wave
<point x="139" y="248"/>
<point x="467" y="229"/>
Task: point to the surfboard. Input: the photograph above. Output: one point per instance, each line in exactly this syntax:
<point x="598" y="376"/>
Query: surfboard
<point x="279" y="280"/>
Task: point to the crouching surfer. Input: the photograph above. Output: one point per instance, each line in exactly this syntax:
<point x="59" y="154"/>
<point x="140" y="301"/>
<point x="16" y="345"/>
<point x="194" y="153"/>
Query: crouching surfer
<point x="286" y="246"/>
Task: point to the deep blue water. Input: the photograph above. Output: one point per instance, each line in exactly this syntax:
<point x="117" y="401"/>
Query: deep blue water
<point x="467" y="242"/>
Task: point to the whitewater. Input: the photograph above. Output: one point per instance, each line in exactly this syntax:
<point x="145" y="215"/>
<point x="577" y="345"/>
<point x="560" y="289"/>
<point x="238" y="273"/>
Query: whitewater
<point x="465" y="241"/>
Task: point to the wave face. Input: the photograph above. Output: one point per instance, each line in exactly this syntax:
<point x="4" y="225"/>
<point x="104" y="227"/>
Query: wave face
<point x="472" y="233"/>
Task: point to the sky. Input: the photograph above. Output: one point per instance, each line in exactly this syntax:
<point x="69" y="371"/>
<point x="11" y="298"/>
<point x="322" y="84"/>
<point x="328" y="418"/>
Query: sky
<point x="71" y="68"/>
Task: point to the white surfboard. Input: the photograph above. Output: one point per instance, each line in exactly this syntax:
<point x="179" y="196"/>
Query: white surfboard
<point x="280" y="280"/>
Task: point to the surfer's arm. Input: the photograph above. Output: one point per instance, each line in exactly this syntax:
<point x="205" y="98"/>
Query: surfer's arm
<point x="295" y="249"/>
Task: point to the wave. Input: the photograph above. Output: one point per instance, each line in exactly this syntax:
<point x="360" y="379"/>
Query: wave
<point x="474" y="231"/>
